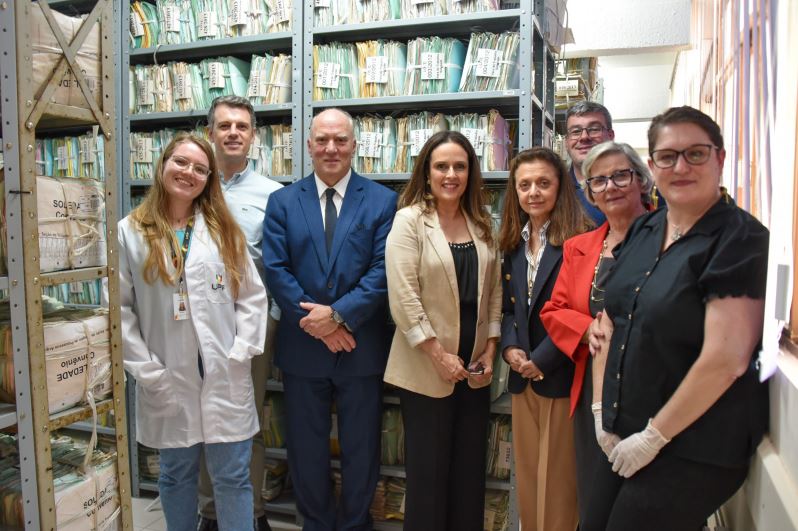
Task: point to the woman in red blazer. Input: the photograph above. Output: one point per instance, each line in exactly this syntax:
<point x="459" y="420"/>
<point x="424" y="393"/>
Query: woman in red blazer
<point x="619" y="184"/>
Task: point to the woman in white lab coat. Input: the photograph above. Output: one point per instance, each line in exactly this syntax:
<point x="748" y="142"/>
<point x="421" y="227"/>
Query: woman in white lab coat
<point x="193" y="312"/>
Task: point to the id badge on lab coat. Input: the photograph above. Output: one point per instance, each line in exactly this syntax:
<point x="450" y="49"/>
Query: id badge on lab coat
<point x="180" y="304"/>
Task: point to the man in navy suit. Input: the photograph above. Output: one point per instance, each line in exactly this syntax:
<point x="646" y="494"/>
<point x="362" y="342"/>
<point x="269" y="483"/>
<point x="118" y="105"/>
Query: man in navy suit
<point x="324" y="259"/>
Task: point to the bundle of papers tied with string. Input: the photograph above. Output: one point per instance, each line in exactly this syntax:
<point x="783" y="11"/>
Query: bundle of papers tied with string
<point x="269" y="79"/>
<point x="224" y="76"/>
<point x="335" y="71"/>
<point x="497" y="510"/>
<point x="176" y="22"/>
<point x="456" y="7"/>
<point x="72" y="156"/>
<point x="381" y="68"/>
<point x="153" y="89"/>
<point x="272" y="150"/>
<point x="211" y="17"/>
<point x="376" y="144"/>
<point x="500" y="448"/>
<point x="393" y="437"/>
<point x="434" y="65"/>
<point x="491" y="62"/>
<point x="189" y="92"/>
<point x="47" y="54"/>
<point x="412" y="132"/>
<point x="145" y="148"/>
<point x="143" y="25"/>
<point x="86" y="292"/>
<point x="488" y="134"/>
<point x="77" y="359"/>
<point x="71" y="223"/>
<point x="423" y="9"/>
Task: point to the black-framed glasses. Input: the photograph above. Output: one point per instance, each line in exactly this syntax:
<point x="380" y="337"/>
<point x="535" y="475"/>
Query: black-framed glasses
<point x="620" y="179"/>
<point x="593" y="131"/>
<point x="695" y="155"/>
<point x="200" y="172"/>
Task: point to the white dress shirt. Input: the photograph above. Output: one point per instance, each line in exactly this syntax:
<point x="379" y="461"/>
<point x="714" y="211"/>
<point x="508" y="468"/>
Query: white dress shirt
<point x="338" y="198"/>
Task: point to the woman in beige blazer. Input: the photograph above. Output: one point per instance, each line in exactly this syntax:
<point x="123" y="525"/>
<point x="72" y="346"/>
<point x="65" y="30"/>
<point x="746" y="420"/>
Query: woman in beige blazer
<point x="445" y="297"/>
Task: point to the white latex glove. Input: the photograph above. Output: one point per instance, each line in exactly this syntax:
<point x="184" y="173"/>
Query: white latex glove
<point x="637" y="451"/>
<point x="606" y="440"/>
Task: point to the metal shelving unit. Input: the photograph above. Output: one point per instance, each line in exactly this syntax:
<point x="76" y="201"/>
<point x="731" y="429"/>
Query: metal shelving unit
<point x="26" y="112"/>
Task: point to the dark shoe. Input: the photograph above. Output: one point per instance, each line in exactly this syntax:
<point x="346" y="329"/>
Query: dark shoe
<point x="262" y="524"/>
<point x="206" y="524"/>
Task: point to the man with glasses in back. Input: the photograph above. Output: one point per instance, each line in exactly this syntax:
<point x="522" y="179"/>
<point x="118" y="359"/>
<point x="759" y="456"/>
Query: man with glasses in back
<point x="231" y="127"/>
<point x="586" y="124"/>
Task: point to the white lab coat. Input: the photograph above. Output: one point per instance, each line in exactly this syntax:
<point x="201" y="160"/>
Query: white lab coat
<point x="175" y="407"/>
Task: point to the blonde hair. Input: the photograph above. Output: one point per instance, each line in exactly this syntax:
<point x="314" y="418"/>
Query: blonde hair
<point x="150" y="218"/>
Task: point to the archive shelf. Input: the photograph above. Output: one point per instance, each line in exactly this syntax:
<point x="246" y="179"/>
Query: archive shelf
<point x="27" y="112"/>
<point x="247" y="44"/>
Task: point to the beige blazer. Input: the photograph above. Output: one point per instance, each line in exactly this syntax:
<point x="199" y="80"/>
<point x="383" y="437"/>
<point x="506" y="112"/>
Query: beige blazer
<point x="425" y="302"/>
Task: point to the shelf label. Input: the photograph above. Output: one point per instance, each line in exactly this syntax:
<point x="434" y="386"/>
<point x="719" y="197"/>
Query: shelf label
<point x="377" y="69"/>
<point x="171" y="16"/>
<point x="288" y="146"/>
<point x="254" y="148"/>
<point x="136" y="26"/>
<point x="206" y="25"/>
<point x="432" y="65"/>
<point x="566" y="87"/>
<point x="253" y="87"/>
<point x="418" y="137"/>
<point x="369" y="145"/>
<point x="216" y="75"/>
<point x="238" y="15"/>
<point x="328" y="75"/>
<point x="488" y="62"/>
<point x="76" y="287"/>
<point x="505" y="455"/>
<point x="61" y="158"/>
<point x="146" y="92"/>
<point x="282" y="11"/>
<point x="143" y="150"/>
<point x="183" y="87"/>
<point x="476" y="137"/>
<point x="88" y="149"/>
<point x="321" y="3"/>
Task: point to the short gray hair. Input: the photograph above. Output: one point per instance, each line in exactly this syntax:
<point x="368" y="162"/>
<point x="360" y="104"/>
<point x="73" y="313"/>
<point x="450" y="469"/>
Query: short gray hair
<point x="589" y="107"/>
<point x="611" y="148"/>
<point x="231" y="101"/>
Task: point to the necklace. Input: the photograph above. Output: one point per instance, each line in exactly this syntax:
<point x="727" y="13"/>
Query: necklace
<point x="593" y="286"/>
<point x="677" y="233"/>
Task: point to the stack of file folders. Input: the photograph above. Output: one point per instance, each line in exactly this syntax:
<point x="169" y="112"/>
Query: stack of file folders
<point x="456" y="7"/>
<point x="72" y="156"/>
<point x="434" y="65"/>
<point x="491" y="62"/>
<point x="381" y="68"/>
<point x="145" y="148"/>
<point x="337" y="12"/>
<point x="390" y="145"/>
<point x="500" y="447"/>
<point x="176" y="22"/>
<point x="143" y="25"/>
<point x="273" y="421"/>
<point x="417" y="9"/>
<point x="497" y="510"/>
<point x="86" y="292"/>
<point x="269" y="79"/>
<point x="149" y="463"/>
<point x="395" y="499"/>
<point x="272" y="150"/>
<point x="335" y="71"/>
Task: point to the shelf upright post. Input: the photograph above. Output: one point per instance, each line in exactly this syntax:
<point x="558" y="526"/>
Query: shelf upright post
<point x="307" y="85"/>
<point x="298" y="123"/>
<point x="12" y="148"/>
<point x="525" y="78"/>
<point x="26" y="105"/>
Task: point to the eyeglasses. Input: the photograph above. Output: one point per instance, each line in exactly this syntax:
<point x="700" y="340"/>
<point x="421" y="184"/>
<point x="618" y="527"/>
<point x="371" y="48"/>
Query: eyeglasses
<point x="694" y="156"/>
<point x="620" y="178"/>
<point x="200" y="172"/>
<point x="593" y="131"/>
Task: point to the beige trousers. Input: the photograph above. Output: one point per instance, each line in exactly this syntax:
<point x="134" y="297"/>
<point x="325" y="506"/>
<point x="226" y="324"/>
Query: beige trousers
<point x="545" y="462"/>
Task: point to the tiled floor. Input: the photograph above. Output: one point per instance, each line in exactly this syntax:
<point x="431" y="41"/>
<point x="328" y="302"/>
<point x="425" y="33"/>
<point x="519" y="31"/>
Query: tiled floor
<point x="152" y="520"/>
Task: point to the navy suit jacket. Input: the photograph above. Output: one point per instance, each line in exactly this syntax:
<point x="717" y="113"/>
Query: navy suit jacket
<point x="351" y="279"/>
<point x="521" y="325"/>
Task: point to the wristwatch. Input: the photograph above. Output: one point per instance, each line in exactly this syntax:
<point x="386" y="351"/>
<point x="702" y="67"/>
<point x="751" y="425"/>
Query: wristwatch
<point x="335" y="316"/>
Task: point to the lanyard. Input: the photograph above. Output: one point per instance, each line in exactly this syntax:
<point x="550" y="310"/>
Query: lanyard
<point x="184" y="250"/>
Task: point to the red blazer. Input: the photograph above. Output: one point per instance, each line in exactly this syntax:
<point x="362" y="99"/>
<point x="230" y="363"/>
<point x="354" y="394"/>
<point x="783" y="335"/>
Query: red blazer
<point x="566" y="315"/>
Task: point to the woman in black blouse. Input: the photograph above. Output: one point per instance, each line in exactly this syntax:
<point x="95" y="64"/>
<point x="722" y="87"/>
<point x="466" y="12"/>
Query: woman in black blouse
<point x="686" y="299"/>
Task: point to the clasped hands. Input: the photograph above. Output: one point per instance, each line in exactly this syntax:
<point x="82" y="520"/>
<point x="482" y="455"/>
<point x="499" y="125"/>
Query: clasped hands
<point x="518" y="361"/>
<point x="319" y="324"/>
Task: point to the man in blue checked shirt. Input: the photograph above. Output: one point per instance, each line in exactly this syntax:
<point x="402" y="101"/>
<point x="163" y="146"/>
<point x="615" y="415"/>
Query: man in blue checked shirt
<point x="231" y="124"/>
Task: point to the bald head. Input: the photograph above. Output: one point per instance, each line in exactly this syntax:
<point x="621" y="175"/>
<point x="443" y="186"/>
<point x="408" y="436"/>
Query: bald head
<point x="331" y="144"/>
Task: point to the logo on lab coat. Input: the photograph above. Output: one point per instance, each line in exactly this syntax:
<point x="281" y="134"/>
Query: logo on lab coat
<point x="219" y="283"/>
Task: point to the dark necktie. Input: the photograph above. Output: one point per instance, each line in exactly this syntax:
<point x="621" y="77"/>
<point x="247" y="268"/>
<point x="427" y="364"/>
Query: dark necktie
<point x="330" y="218"/>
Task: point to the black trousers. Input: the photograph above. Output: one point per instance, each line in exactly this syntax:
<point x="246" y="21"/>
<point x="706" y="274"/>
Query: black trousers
<point x="445" y="446"/>
<point x="670" y="494"/>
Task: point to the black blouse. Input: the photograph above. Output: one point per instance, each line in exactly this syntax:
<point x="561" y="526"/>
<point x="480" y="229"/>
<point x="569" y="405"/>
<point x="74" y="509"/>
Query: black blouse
<point x="657" y="302"/>
<point x="466" y="266"/>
